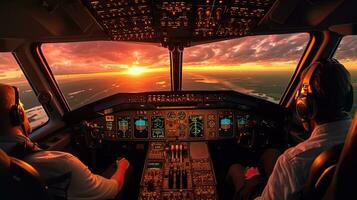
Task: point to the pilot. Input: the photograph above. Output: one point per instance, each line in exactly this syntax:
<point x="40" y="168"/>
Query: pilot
<point x="324" y="97"/>
<point x="70" y="178"/>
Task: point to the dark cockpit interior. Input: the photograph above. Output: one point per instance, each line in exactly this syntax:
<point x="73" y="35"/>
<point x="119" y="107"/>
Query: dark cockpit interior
<point x="179" y="140"/>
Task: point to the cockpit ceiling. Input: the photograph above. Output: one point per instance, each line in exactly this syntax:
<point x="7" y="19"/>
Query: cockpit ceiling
<point x="184" y="22"/>
<point x="178" y="21"/>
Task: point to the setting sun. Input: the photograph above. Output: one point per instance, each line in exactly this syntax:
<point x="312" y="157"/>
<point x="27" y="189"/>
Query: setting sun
<point x="135" y="70"/>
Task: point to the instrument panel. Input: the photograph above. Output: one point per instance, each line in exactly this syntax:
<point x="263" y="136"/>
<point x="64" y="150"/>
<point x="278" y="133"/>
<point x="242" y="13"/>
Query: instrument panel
<point x="176" y="124"/>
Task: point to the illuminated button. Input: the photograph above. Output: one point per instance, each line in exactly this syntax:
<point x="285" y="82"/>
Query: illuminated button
<point x="211" y="117"/>
<point x="211" y="124"/>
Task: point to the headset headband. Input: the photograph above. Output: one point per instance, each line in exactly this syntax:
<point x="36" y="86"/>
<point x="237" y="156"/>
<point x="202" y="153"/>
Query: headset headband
<point x="306" y="88"/>
<point x="17" y="98"/>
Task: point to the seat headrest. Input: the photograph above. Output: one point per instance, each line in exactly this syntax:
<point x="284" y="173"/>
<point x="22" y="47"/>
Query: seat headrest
<point x="343" y="182"/>
<point x="321" y="172"/>
<point x="19" y="180"/>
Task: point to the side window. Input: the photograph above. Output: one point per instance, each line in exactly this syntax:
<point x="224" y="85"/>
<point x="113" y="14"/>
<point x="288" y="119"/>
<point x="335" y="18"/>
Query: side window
<point x="11" y="74"/>
<point x="347" y="55"/>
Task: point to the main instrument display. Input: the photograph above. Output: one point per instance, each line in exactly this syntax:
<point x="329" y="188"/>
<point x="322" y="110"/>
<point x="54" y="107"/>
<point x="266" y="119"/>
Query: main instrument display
<point x="196" y="126"/>
<point x="157" y="127"/>
<point x="141" y="127"/>
<point x="124" y="127"/>
<point x="225" y="125"/>
<point x="175" y="124"/>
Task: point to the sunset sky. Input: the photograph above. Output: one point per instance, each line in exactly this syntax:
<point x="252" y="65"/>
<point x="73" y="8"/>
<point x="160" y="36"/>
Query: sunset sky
<point x="256" y="53"/>
<point x="251" y="53"/>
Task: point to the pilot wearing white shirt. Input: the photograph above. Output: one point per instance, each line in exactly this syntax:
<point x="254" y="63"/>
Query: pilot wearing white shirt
<point x="65" y="175"/>
<point x="322" y="102"/>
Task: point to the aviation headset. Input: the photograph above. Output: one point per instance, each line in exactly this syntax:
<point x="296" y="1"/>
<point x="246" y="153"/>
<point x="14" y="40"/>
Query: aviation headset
<point x="306" y="107"/>
<point x="17" y="114"/>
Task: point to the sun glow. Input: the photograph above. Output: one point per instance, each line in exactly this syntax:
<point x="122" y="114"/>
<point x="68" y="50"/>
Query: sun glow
<point x="135" y="70"/>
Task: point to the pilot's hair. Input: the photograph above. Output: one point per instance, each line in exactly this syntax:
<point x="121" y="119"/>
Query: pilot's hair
<point x="332" y="89"/>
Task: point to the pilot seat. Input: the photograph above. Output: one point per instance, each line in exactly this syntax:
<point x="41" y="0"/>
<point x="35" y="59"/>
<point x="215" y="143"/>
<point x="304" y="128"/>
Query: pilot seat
<point x="19" y="180"/>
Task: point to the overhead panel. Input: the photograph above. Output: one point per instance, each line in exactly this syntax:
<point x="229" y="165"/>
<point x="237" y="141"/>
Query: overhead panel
<point x="182" y="22"/>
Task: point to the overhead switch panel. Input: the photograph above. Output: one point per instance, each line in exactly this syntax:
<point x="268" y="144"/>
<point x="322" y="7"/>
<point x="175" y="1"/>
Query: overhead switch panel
<point x="178" y="21"/>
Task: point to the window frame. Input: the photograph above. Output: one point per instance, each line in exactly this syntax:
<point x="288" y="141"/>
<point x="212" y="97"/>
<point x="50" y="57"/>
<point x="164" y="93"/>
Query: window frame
<point x="30" y="84"/>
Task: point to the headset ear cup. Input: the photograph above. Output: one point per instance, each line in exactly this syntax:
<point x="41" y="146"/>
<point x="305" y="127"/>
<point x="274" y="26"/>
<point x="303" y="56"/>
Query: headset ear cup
<point x="17" y="115"/>
<point x="306" y="107"/>
<point x="301" y="107"/>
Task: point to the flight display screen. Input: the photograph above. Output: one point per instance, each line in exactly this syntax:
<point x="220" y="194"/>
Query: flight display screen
<point x="124" y="127"/>
<point x="157" y="127"/>
<point x="195" y="125"/>
<point x="225" y="126"/>
<point x="109" y="126"/>
<point x="243" y="121"/>
<point x="141" y="127"/>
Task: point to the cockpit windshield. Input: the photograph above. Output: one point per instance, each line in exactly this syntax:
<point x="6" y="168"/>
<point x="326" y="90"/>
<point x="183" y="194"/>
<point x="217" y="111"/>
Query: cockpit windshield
<point x="257" y="65"/>
<point x="89" y="71"/>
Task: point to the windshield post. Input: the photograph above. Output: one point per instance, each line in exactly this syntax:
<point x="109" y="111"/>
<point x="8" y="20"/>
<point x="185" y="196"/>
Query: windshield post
<point x="176" y="53"/>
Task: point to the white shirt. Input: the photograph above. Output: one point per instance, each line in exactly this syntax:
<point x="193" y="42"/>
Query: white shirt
<point x="84" y="185"/>
<point x="292" y="167"/>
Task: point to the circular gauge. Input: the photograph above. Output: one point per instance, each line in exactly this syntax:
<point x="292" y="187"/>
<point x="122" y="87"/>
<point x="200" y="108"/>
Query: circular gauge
<point x="181" y="115"/>
<point x="171" y="115"/>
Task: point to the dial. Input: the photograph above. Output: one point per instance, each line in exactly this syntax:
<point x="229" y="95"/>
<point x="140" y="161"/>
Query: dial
<point x="196" y="126"/>
<point x="181" y="115"/>
<point x="171" y="115"/>
<point x="157" y="127"/>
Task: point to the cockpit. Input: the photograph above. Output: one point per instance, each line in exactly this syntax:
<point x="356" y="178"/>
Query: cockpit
<point x="181" y="89"/>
